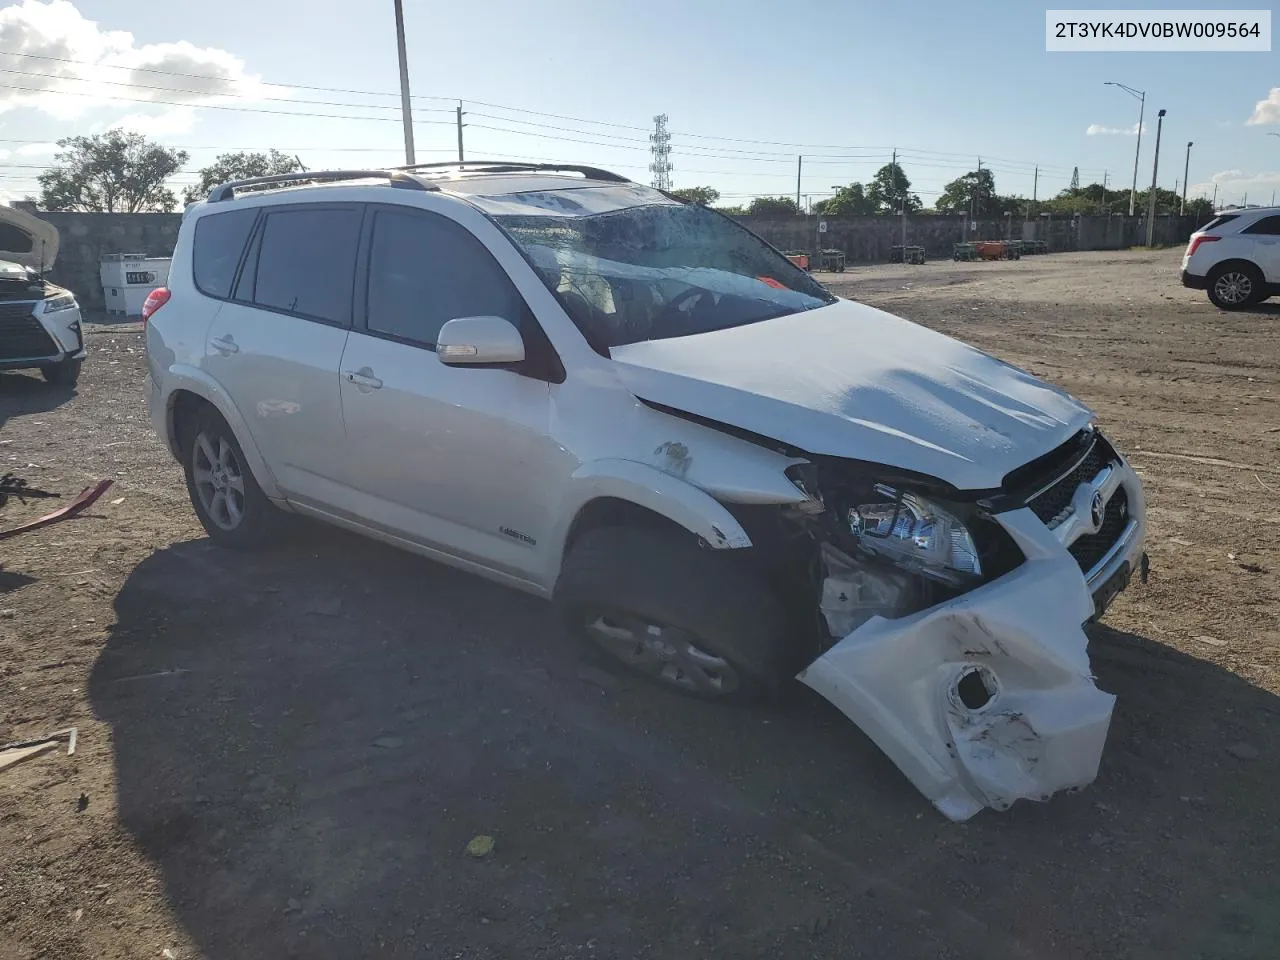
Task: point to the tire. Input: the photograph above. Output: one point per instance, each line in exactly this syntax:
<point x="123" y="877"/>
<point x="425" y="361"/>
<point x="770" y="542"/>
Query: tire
<point x="242" y="517"/>
<point x="64" y="374"/>
<point x="1234" y="286"/>
<point x="688" y="618"/>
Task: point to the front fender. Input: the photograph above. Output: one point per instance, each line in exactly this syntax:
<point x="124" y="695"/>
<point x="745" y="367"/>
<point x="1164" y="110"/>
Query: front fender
<point x="648" y="487"/>
<point x="181" y="377"/>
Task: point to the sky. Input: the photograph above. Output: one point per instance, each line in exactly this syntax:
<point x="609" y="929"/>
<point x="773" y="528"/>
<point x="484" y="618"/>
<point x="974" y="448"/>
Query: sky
<point x="747" y="86"/>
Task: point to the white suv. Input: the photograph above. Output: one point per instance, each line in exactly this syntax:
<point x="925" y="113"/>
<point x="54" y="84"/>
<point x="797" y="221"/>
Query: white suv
<point x="1236" y="257"/>
<point x="721" y="474"/>
<point x="40" y="323"/>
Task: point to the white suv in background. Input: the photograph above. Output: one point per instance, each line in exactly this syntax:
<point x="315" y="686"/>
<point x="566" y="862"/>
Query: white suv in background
<point x="721" y="474"/>
<point x="1236" y="257"/>
<point x="40" y="323"/>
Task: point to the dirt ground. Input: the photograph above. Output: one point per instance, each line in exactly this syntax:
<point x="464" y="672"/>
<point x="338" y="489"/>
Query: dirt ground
<point x="286" y="755"/>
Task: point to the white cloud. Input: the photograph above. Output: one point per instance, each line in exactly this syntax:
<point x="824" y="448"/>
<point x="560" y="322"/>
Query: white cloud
<point x="91" y="63"/>
<point x="1234" y="184"/>
<point x="157" y="126"/>
<point x="1266" y="111"/>
<point x="37" y="150"/>
<point x="1098" y="130"/>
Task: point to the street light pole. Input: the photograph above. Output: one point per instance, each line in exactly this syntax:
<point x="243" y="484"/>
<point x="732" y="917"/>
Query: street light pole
<point x="1151" y="200"/>
<point x="1137" y="151"/>
<point x="1182" y="210"/>
<point x="406" y="110"/>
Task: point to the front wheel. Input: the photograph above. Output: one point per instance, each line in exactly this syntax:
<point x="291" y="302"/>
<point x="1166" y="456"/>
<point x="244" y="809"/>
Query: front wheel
<point x="686" y="617"/>
<point x="64" y="374"/>
<point x="227" y="499"/>
<point x="1235" y="286"/>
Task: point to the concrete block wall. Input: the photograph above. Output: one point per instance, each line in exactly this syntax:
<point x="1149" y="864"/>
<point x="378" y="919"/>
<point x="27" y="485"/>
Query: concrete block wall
<point x="868" y="239"/>
<point x="85" y="237"/>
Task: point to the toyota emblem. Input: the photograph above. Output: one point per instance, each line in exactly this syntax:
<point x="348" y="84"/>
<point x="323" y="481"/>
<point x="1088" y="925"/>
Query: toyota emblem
<point x="1096" y="511"/>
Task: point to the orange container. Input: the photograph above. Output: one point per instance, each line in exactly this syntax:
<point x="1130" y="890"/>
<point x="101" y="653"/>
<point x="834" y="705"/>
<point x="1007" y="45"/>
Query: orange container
<point x="801" y="260"/>
<point x="990" y="249"/>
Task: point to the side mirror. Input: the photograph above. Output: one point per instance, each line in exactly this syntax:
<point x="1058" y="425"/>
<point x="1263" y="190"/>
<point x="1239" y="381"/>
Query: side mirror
<point x="472" y="340"/>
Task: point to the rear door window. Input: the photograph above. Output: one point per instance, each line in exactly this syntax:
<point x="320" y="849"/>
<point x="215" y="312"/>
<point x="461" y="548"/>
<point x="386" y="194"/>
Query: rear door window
<point x="306" y="262"/>
<point x="216" y="252"/>
<point x="1267" y="226"/>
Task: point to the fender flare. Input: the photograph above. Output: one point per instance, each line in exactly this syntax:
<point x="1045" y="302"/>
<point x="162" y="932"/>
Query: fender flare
<point x="193" y="380"/>
<point x="645" y="486"/>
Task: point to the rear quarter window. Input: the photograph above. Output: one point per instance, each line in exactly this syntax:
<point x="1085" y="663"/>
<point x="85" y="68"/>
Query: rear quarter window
<point x="1219" y="221"/>
<point x="219" y="242"/>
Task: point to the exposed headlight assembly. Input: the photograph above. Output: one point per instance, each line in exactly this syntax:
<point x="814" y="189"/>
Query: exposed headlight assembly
<point x="63" y="301"/>
<point x="917" y="534"/>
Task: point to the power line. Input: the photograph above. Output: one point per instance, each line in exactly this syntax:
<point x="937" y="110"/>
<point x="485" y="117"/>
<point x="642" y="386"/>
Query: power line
<point x="219" y="106"/>
<point x="383" y="93"/>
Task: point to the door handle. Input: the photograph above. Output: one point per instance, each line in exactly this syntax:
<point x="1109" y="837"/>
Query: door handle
<point x="363" y="378"/>
<point x="225" y="345"/>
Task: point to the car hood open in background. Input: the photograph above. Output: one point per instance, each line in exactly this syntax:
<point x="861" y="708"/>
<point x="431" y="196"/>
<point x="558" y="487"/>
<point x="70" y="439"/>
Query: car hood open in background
<point x="26" y="239"/>
<point x="848" y="380"/>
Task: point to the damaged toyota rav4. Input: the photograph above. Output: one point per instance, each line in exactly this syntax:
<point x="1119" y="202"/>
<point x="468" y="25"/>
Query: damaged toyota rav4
<point x="723" y="476"/>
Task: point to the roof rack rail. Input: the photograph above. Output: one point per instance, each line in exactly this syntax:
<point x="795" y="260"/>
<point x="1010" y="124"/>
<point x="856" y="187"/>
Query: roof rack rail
<point x="398" y="178"/>
<point x="515" y="166"/>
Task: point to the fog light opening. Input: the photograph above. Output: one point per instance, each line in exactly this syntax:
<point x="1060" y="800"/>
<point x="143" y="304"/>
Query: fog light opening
<point x="975" y="688"/>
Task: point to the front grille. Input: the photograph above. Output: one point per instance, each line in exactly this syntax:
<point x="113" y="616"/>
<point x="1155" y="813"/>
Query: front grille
<point x="1051" y="505"/>
<point x="1092" y="547"/>
<point x="21" y="336"/>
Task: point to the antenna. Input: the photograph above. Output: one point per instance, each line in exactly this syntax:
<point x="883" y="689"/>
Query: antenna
<point x="660" y="147"/>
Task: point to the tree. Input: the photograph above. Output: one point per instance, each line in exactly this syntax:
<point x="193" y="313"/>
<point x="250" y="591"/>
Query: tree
<point x="890" y="191"/>
<point x="974" y="193"/>
<point x="773" y="207"/>
<point x="736" y="211"/>
<point x="240" y="166"/>
<point x="112" y="172"/>
<point x="850" y="201"/>
<point x="703" y="196"/>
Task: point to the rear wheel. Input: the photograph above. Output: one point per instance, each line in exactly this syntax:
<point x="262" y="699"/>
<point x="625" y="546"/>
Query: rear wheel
<point x="1233" y="286"/>
<point x="685" y="617"/>
<point x="227" y="499"/>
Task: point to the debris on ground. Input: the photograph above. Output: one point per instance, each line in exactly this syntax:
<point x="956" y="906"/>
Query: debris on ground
<point x="12" y="754"/>
<point x="84" y="499"/>
<point x="480" y="846"/>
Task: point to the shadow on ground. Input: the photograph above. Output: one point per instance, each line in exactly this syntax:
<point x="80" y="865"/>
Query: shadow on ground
<point x="25" y="392"/>
<point x="307" y="740"/>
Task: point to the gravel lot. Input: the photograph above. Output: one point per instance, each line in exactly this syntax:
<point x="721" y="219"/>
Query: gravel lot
<point x="286" y="755"/>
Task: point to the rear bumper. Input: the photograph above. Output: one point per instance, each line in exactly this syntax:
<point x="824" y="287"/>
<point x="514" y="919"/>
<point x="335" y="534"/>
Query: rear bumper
<point x="1044" y="726"/>
<point x="1194" y="282"/>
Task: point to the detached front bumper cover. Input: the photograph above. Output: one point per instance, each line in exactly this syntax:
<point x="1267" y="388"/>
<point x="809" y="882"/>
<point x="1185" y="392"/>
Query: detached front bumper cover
<point x="987" y="698"/>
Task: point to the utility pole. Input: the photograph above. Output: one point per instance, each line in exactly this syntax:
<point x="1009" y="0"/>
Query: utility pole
<point x="1102" y="200"/>
<point x="406" y="109"/>
<point x="1182" y="210"/>
<point x="1151" y="200"/>
<point x="1137" y="151"/>
<point x="799" y="165"/>
<point x="1035" y="186"/>
<point x="459" y="131"/>
<point x="1214" y="204"/>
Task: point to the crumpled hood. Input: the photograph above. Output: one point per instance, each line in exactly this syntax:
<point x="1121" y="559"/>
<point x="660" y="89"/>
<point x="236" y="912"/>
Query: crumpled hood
<point x="26" y="239"/>
<point x="847" y="380"/>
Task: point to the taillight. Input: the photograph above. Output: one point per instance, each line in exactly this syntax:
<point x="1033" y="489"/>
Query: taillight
<point x="156" y="299"/>
<point x="1194" y="245"/>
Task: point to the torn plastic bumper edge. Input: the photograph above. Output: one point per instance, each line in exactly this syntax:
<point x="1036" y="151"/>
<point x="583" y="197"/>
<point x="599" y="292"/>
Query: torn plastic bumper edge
<point x="988" y="698"/>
